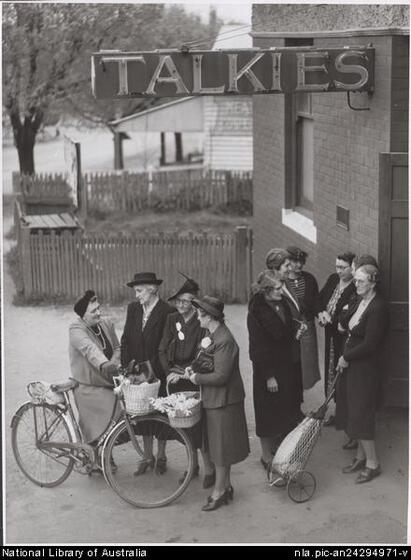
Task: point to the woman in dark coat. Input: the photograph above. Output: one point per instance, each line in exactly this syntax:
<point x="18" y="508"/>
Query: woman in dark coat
<point x="141" y="339"/>
<point x="277" y="382"/>
<point x="226" y="435"/>
<point x="334" y="296"/>
<point x="358" y="397"/>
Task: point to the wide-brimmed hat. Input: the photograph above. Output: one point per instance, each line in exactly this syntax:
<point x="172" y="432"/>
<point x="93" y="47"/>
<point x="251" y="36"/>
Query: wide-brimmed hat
<point x="190" y="286"/>
<point x="144" y="278"/>
<point x="211" y="305"/>
<point x="297" y="254"/>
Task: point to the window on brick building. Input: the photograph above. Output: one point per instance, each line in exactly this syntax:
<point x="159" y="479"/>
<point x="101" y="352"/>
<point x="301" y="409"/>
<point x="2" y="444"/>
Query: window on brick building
<point x="304" y="152"/>
<point x="297" y="213"/>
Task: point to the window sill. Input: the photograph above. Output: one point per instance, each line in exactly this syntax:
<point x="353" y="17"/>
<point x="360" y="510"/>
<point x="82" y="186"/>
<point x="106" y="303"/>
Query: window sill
<point x="299" y="223"/>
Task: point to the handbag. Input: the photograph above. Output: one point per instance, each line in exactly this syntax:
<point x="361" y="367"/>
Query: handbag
<point x="203" y="362"/>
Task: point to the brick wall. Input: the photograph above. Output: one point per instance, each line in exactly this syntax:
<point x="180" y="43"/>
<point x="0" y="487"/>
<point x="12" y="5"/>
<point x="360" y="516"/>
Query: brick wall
<point x="347" y="144"/>
<point x="399" y="94"/>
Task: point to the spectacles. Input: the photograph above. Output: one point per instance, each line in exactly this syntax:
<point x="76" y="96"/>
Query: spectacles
<point x="185" y="302"/>
<point x="341" y="267"/>
<point x="360" y="282"/>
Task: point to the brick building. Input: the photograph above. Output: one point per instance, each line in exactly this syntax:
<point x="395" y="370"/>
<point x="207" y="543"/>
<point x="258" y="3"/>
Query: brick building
<point x="330" y="178"/>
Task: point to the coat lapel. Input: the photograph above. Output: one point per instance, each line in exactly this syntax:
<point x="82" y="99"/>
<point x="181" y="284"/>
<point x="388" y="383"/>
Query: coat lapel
<point x="153" y="319"/>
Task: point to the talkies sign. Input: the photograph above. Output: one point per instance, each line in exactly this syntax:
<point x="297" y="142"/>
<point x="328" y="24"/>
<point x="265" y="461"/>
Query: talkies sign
<point x="174" y="73"/>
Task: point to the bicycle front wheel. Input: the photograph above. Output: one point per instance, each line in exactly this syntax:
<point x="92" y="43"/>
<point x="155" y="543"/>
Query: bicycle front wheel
<point x="33" y="425"/>
<point x="122" y="454"/>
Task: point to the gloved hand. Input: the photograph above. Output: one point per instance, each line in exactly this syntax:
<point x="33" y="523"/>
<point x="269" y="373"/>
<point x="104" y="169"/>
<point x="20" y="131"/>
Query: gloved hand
<point x="109" y="369"/>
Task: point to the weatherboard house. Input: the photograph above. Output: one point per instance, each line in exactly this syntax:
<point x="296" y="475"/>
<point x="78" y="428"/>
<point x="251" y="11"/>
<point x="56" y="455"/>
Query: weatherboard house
<point x="222" y="125"/>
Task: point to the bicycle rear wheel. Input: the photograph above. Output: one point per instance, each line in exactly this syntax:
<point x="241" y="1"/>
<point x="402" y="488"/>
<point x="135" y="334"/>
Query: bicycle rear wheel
<point x="32" y="425"/>
<point x="148" y="490"/>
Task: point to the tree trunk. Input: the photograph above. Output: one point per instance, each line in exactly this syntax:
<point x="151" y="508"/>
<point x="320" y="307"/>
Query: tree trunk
<point x="26" y="138"/>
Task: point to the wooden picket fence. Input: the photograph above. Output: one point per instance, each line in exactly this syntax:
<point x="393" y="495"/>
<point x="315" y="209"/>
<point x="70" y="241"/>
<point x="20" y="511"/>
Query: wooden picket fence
<point x="65" y="265"/>
<point x="191" y="189"/>
<point x="165" y="190"/>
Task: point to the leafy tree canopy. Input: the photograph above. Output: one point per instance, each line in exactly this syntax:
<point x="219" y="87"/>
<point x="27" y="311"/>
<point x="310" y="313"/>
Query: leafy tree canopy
<point x="47" y="51"/>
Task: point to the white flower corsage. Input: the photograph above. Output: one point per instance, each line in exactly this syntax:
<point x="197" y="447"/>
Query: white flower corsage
<point x="205" y="342"/>
<point x="180" y="333"/>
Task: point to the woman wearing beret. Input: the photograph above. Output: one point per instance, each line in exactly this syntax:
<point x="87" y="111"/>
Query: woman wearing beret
<point x="94" y="359"/>
<point x="334" y="296"/>
<point x="226" y="436"/>
<point x="359" y="388"/>
<point x="277" y="383"/>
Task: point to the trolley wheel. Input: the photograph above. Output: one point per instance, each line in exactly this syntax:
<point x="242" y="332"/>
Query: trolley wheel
<point x="150" y="489"/>
<point x="32" y="425"/>
<point x="301" y="486"/>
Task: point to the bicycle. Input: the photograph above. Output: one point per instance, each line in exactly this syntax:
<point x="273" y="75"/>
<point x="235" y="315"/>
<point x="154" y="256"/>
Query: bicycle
<point x="48" y="445"/>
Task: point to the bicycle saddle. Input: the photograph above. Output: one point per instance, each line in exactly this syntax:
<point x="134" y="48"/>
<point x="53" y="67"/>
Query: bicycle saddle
<point x="63" y="387"/>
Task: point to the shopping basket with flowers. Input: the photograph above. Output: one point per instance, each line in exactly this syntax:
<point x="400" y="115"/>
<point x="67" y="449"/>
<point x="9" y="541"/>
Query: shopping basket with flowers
<point x="138" y="385"/>
<point x="183" y="409"/>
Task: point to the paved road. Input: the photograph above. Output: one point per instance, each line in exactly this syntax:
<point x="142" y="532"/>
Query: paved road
<point x="85" y="510"/>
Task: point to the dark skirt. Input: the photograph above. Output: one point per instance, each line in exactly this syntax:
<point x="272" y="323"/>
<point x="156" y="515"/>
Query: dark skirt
<point x="357" y="403"/>
<point x="226" y="434"/>
<point x="309" y="356"/>
<point x="277" y="413"/>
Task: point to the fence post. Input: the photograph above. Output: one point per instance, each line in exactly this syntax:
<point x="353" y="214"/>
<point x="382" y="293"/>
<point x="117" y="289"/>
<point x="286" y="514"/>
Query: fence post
<point x="25" y="262"/>
<point x="242" y="263"/>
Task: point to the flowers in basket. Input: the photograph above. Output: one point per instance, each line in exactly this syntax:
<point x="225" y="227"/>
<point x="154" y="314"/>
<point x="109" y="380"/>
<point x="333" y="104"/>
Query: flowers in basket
<point x="177" y="404"/>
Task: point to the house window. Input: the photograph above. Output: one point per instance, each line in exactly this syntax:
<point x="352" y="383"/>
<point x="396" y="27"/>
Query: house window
<point x="304" y="152"/>
<point x="297" y="213"/>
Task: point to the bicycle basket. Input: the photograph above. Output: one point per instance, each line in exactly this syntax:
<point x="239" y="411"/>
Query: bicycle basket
<point x="41" y="392"/>
<point x="137" y="397"/>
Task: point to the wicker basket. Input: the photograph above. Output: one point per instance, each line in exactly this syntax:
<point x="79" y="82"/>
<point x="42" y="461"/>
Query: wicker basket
<point x="137" y="397"/>
<point x="181" y="421"/>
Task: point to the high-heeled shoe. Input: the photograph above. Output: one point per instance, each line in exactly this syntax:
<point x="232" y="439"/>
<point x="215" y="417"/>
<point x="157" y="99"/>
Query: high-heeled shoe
<point x="161" y="465"/>
<point x="196" y="472"/>
<point x="144" y="465"/>
<point x="355" y="466"/>
<point x="350" y="444"/>
<point x="215" y="503"/>
<point x="230" y="492"/>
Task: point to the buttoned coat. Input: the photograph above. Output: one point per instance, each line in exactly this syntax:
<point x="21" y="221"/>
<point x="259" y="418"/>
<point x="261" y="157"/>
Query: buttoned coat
<point x="143" y="344"/>
<point x="224" y="385"/>
<point x="271" y="340"/>
<point x="359" y="387"/>
<point x="96" y="403"/>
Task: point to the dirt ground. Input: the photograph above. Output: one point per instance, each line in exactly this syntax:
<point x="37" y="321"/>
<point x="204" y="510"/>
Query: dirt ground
<point x="85" y="510"/>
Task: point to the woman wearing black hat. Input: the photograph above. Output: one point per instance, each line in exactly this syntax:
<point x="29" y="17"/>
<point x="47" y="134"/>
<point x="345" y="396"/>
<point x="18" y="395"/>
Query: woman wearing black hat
<point x="304" y="287"/>
<point x="178" y="347"/>
<point x="226" y="435"/>
<point x="141" y="339"/>
<point x="94" y="359"/>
